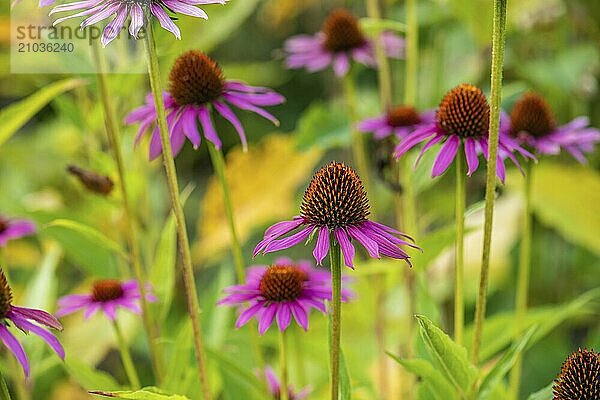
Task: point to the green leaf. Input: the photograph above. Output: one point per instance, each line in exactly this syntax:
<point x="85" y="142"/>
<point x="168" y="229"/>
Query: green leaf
<point x="90" y="233"/>
<point x="41" y="291"/>
<point x="448" y="356"/>
<point x="162" y="274"/>
<point x="323" y="126"/>
<point x="13" y="117"/>
<point x="243" y="376"/>
<point x="147" y="393"/>
<point x="439" y="386"/>
<point x="495" y="376"/>
<point x="88" y="377"/>
<point x="542" y="394"/>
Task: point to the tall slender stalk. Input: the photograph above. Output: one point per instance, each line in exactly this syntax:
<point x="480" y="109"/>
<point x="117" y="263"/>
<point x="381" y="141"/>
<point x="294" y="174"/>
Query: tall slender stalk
<point x="459" y="303"/>
<point x="522" y="280"/>
<point x="412" y="53"/>
<point x="216" y="157"/>
<point x="336" y="314"/>
<point x="383" y="65"/>
<point x="114" y="140"/>
<point x="498" y="39"/>
<point x="283" y="392"/>
<point x="128" y="364"/>
<point x="184" y="247"/>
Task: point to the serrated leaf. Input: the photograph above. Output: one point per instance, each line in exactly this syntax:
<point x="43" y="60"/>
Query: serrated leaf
<point x="148" y="393"/>
<point x="497" y="373"/>
<point x="13" y="117"/>
<point x="448" y="356"/>
<point x="439" y="386"/>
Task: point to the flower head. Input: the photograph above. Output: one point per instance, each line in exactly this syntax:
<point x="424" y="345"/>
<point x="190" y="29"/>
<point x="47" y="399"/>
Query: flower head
<point x="400" y="120"/>
<point x="339" y="41"/>
<point x="579" y="377"/>
<point x="196" y="88"/>
<point x="462" y="117"/>
<point x="24" y="318"/>
<point x="335" y="207"/>
<point x="534" y="125"/>
<point x="106" y="295"/>
<point x="14" y="229"/>
<point x="280" y="291"/>
<point x="274" y="387"/>
<point x="136" y="10"/>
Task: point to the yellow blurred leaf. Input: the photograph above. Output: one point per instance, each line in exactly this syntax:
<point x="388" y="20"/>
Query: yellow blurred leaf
<point x="263" y="184"/>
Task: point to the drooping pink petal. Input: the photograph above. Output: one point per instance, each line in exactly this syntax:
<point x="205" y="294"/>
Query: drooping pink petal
<point x="445" y="156"/>
<point x="266" y="318"/>
<point x="248" y="313"/>
<point x="289" y="241"/>
<point x="345" y="245"/>
<point x="230" y="116"/>
<point x="322" y="246"/>
<point x="367" y="242"/>
<point x="207" y="126"/>
<point x="471" y="155"/>
<point x="284" y="316"/>
<point x="48" y="337"/>
<point x="164" y="20"/>
<point x="300" y="314"/>
<point x="15" y="347"/>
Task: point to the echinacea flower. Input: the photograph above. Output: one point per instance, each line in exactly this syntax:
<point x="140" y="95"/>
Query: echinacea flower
<point x="579" y="377"/>
<point x="534" y="125"/>
<point x="338" y="43"/>
<point x="196" y="88"/>
<point x="14" y="229"/>
<point x="23" y="319"/>
<point x="136" y="10"/>
<point x="335" y="207"/>
<point x="274" y="387"/>
<point x="280" y="291"/>
<point x="462" y="117"/>
<point x="400" y="121"/>
<point x="107" y="295"/>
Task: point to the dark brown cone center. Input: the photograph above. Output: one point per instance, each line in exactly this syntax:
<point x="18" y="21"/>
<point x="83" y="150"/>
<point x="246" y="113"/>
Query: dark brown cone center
<point x="464" y="111"/>
<point x="342" y="32"/>
<point x="5" y="296"/>
<point x="403" y="116"/>
<point x="107" y="290"/>
<point x="196" y="79"/>
<point x="3" y="224"/>
<point x="579" y="377"/>
<point x="282" y="283"/>
<point x="335" y="198"/>
<point x="532" y="114"/>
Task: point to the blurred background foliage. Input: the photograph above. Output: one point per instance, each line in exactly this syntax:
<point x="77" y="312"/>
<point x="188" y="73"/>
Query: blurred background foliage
<point x="552" y="47"/>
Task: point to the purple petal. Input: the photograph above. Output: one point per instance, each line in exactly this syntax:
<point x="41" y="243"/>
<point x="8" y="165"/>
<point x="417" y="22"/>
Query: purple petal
<point x="345" y="245"/>
<point x="111" y="31"/>
<point x="109" y="10"/>
<point x="137" y="19"/>
<point x="341" y="64"/>
<point x="190" y="126"/>
<point x="365" y="240"/>
<point x="413" y="139"/>
<point x="471" y="155"/>
<point x="15" y="347"/>
<point x="164" y="20"/>
<point x="207" y="126"/>
<point x="299" y="314"/>
<point x="228" y="114"/>
<point x="445" y="156"/>
<point x="266" y="318"/>
<point x="239" y="102"/>
<point x="289" y="241"/>
<point x="322" y="246"/>
<point x="247" y="314"/>
<point x="44" y="334"/>
<point x="283" y="227"/>
<point x="38" y="316"/>
<point x="186" y="9"/>
<point x="272" y="381"/>
<point x="284" y="316"/>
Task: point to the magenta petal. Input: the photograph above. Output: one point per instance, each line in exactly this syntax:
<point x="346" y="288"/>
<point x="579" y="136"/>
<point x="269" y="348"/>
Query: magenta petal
<point x="164" y="20"/>
<point x="322" y="246"/>
<point x="299" y="314"/>
<point x="284" y="316"/>
<point x="15" y="347"/>
<point x="345" y="245"/>
<point x="500" y="169"/>
<point x="111" y="31"/>
<point x="209" y="129"/>
<point x="283" y="227"/>
<point x="445" y="156"/>
<point x="266" y="318"/>
<point x="247" y="314"/>
<point x="471" y="155"/>
<point x="272" y="381"/>
<point x="229" y="115"/>
<point x="38" y="316"/>
<point x="289" y="241"/>
<point x="341" y="64"/>
<point x="44" y="334"/>
<point x="412" y="140"/>
<point x="190" y="126"/>
<point x="365" y="240"/>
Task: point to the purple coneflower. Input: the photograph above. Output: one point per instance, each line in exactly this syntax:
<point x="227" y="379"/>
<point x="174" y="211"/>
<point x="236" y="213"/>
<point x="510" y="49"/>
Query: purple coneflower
<point x="274" y="387"/>
<point x="107" y="295"/>
<point x="400" y="121"/>
<point x="196" y="87"/>
<point x="579" y="377"/>
<point x="534" y="125"/>
<point x="14" y="229"/>
<point x="338" y="43"/>
<point x="335" y="207"/>
<point x="281" y="291"/>
<point x="22" y="318"/>
<point x="99" y="10"/>
<point x="463" y="116"/>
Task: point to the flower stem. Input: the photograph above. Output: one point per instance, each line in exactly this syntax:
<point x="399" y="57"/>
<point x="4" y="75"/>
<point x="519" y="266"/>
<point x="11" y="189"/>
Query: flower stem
<point x="114" y="140"/>
<point x="383" y="66"/>
<point x="184" y="247"/>
<point x="522" y="279"/>
<point x="283" y="391"/>
<point x="459" y="303"/>
<point x="336" y="313"/>
<point x="126" y="358"/>
<point x="498" y="38"/>
<point x="216" y="157"/>
<point x="412" y="53"/>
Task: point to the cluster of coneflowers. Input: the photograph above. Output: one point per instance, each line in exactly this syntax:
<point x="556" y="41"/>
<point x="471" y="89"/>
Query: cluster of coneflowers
<point x="335" y="209"/>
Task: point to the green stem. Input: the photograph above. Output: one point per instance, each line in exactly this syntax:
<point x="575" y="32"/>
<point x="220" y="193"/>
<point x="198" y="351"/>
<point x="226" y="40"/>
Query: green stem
<point x="4" y="394"/>
<point x="216" y="157"/>
<point x="114" y="139"/>
<point x="359" y="151"/>
<point x="522" y="280"/>
<point x="336" y="313"/>
<point x="184" y="246"/>
<point x="498" y="38"/>
<point x="126" y="358"/>
<point x="383" y="65"/>
<point x="21" y="389"/>
<point x="283" y="392"/>
<point x="459" y="303"/>
<point x="412" y="53"/>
